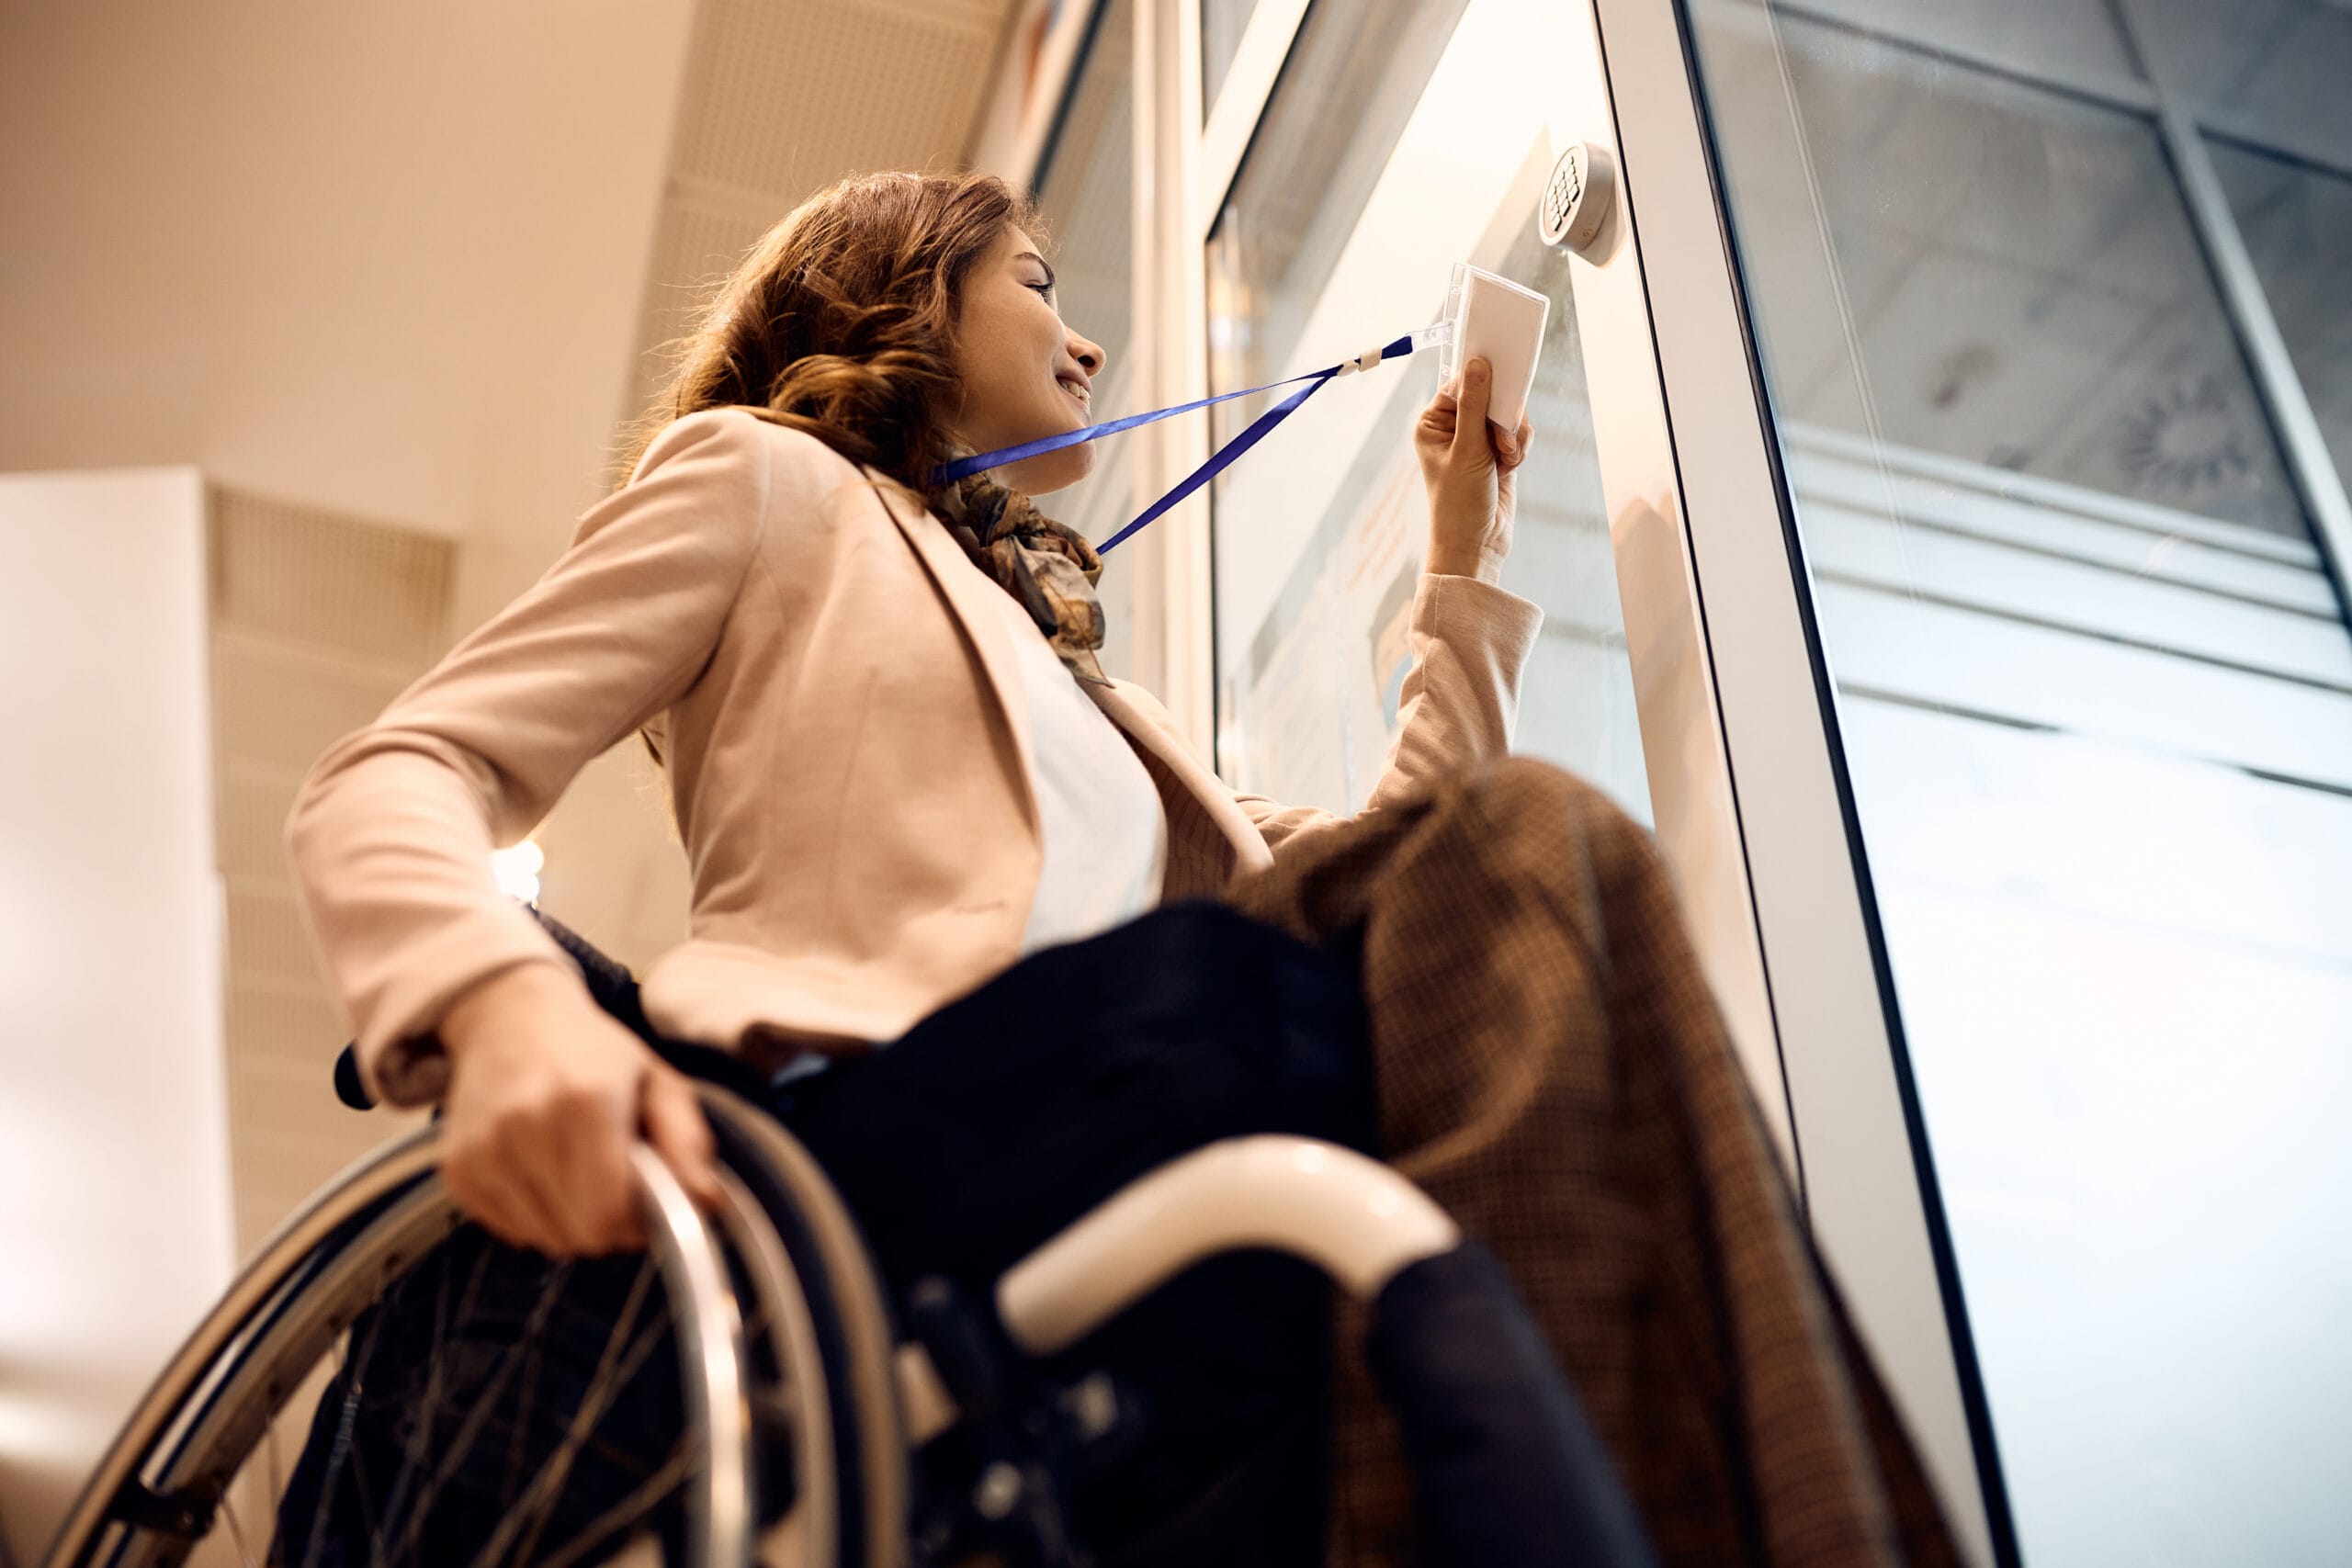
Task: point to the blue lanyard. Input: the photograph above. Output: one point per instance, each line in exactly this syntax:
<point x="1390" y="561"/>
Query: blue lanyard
<point x="1222" y="458"/>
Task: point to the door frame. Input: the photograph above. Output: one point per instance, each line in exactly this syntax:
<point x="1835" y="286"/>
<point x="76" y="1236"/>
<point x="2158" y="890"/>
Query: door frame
<point x="1872" y="1198"/>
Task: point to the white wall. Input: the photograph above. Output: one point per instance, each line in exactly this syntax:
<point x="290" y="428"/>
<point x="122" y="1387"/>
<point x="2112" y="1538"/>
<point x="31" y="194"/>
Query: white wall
<point x="383" y="259"/>
<point x="115" y="1229"/>
<point x="390" y="261"/>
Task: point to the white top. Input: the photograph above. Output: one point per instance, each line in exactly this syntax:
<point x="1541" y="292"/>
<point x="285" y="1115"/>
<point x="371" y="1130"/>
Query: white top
<point x="1106" y="833"/>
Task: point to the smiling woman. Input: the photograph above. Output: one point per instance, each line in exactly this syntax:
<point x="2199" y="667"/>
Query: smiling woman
<point x="939" y="860"/>
<point x="1022" y="372"/>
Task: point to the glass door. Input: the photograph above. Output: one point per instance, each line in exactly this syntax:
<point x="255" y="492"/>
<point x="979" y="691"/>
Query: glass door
<point x="1398" y="138"/>
<point x="1352" y="153"/>
<point x="1387" y="150"/>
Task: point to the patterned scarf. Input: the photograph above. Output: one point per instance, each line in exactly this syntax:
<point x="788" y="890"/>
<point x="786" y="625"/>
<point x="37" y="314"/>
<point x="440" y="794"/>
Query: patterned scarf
<point x="1049" y="569"/>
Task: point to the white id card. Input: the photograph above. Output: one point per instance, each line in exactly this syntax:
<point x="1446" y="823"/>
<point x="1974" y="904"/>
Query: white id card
<point x="1499" y="322"/>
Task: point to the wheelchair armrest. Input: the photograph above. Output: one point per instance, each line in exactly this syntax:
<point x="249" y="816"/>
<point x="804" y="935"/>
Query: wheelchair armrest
<point x="1355" y="1218"/>
<point x="1506" y="1469"/>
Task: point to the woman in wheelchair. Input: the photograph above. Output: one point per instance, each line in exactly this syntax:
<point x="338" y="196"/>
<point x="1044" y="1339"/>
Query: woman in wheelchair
<point x="974" y="927"/>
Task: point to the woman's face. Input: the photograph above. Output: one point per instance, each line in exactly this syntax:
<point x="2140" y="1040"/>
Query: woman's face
<point x="1024" y="374"/>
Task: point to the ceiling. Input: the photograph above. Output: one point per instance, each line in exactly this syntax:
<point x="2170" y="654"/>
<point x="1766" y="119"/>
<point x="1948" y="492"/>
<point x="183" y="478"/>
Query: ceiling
<point x="782" y="97"/>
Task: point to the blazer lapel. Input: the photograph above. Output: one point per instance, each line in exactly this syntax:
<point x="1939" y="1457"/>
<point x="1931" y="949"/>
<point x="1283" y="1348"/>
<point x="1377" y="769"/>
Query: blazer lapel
<point x="972" y="598"/>
<point x="1240" y="840"/>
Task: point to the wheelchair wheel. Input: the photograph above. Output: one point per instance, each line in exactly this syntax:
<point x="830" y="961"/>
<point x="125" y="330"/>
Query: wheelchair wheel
<point x="441" y="1436"/>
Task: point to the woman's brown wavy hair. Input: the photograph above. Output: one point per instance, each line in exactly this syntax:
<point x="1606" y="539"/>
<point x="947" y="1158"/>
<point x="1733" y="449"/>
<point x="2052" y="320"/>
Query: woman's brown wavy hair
<point x="842" y="321"/>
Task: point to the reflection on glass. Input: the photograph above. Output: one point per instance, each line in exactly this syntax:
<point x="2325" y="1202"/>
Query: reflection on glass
<point x="1222" y="24"/>
<point x="2020" y="280"/>
<point x="1320" y="533"/>
<point x="2270" y="68"/>
<point x="1086" y="195"/>
<point x="2298" y="226"/>
<point x="2095" y="691"/>
<point x="2069" y="36"/>
<point x="1353" y="76"/>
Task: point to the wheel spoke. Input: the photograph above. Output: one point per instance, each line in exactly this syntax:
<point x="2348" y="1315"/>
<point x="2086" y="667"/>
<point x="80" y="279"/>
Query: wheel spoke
<point x="515" y="1356"/>
<point x="640" y="1501"/>
<point x="410" y="1396"/>
<point x="236" y="1531"/>
<point x="611" y="1373"/>
<point x="367" y="1496"/>
<point x="420" y="1436"/>
<point x="519" y="1429"/>
<point x="345" y="1447"/>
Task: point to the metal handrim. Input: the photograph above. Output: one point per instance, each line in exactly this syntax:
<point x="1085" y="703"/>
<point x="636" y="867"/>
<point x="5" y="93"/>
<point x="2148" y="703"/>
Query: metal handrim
<point x="213" y="1400"/>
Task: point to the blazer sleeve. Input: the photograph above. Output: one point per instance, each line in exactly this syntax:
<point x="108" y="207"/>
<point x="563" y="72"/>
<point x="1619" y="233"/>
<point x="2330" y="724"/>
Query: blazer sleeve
<point x="1471" y="641"/>
<point x="390" y="834"/>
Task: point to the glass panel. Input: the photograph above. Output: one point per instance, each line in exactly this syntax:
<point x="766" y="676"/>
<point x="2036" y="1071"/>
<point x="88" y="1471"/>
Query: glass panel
<point x="2095" y="692"/>
<point x="1087" y="197"/>
<point x="2269" y="68"/>
<point x="2070" y="37"/>
<point x="1320" y="533"/>
<point x="1354" y="75"/>
<point x="2039" y="306"/>
<point x="2297" y="221"/>
<point x="1221" y="25"/>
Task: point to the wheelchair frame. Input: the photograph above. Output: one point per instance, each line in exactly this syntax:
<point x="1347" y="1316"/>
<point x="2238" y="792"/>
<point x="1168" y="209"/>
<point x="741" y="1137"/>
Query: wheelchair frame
<point x="158" y="1486"/>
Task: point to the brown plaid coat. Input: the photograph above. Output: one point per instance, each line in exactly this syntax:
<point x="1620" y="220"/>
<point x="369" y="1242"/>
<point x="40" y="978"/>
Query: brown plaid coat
<point x="1553" y="1070"/>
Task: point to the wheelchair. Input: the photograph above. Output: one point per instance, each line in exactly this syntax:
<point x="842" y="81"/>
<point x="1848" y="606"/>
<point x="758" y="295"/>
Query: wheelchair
<point x="813" y="1419"/>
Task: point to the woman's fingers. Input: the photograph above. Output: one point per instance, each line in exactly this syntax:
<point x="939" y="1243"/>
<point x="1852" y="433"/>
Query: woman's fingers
<point x="1511" y="449"/>
<point x="490" y="1192"/>
<point x="1435" y="431"/>
<point x="1473" y="401"/>
<point x="674" y="1126"/>
<point x="591" y="1163"/>
<point x="548" y="1096"/>
<point x="558" y="1179"/>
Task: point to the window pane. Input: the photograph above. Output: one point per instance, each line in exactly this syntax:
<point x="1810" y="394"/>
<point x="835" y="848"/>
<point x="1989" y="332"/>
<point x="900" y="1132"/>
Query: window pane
<point x="2038" y="305"/>
<point x="1321" y="531"/>
<point x="1221" y="25"/>
<point x="2071" y="36"/>
<point x="1087" y="197"/>
<point x="1353" y="76"/>
<point x="2297" y="222"/>
<point x="2095" y="692"/>
<point x="2268" y="68"/>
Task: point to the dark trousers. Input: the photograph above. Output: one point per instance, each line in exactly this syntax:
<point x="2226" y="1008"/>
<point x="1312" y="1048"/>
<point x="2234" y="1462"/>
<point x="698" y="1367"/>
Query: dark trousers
<point x="988" y="1128"/>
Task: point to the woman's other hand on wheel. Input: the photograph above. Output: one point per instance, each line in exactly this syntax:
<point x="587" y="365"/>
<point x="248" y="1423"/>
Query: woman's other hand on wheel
<point x="546" y="1095"/>
<point x="1470" y="467"/>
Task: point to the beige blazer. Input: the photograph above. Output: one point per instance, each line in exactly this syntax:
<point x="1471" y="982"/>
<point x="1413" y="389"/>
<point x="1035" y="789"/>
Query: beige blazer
<point x="847" y="748"/>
